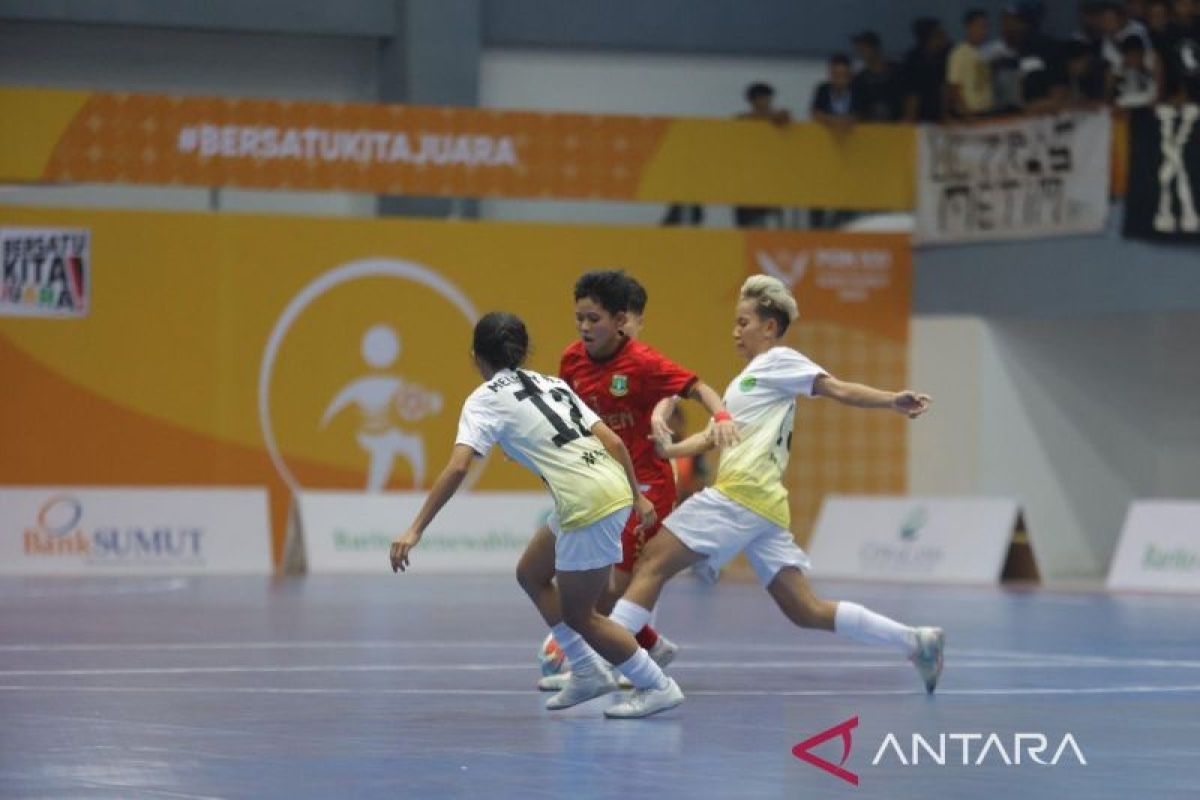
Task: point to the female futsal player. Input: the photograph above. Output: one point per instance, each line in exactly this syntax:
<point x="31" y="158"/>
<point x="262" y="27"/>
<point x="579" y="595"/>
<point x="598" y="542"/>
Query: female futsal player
<point x="747" y="508"/>
<point x="622" y="380"/>
<point x="540" y="423"/>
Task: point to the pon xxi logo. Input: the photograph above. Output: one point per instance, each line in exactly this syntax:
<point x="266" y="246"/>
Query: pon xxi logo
<point x="967" y="749"/>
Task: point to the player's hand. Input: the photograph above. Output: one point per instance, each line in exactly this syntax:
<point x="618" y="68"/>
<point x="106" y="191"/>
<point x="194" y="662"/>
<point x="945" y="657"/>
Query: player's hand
<point x="661" y="443"/>
<point x="659" y="429"/>
<point x="647" y="516"/>
<point x="725" y="434"/>
<point x="401" y="547"/>
<point x="911" y="403"/>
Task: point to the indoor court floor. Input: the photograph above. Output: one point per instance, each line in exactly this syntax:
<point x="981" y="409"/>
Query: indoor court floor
<point x="421" y="686"/>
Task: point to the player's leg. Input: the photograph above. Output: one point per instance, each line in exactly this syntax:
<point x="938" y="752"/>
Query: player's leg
<point x="780" y="564"/>
<point x="583" y="561"/>
<point x="535" y="573"/>
<point x="633" y="542"/>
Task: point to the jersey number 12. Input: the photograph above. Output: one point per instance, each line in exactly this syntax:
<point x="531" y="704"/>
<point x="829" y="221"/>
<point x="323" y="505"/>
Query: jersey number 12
<point x="564" y="432"/>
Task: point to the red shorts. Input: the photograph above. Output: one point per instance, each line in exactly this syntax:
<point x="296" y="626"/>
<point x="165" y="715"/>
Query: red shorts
<point x="632" y="540"/>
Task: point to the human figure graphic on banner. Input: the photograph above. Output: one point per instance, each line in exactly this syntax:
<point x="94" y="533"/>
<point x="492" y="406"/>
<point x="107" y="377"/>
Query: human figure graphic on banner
<point x="381" y="396"/>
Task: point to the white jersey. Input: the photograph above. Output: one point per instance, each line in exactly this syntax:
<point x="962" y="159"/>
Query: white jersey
<point x="762" y="400"/>
<point x="549" y="433"/>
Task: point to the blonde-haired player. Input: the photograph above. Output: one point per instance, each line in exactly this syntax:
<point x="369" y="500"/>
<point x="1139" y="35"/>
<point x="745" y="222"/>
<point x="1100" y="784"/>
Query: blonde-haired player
<point x="746" y="510"/>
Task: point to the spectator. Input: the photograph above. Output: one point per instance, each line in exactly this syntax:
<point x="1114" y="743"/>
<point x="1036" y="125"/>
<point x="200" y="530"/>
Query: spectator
<point x="1179" y="53"/>
<point x="925" y="72"/>
<point x="1116" y="25"/>
<point x="1087" y="74"/>
<point x="833" y="103"/>
<point x="968" y="75"/>
<point x="877" y="84"/>
<point x="761" y="97"/>
<point x="1028" y="69"/>
<point x="1134" y="84"/>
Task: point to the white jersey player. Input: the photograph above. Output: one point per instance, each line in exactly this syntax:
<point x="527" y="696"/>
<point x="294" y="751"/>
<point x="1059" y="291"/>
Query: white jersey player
<point x="746" y="510"/>
<point x="542" y="424"/>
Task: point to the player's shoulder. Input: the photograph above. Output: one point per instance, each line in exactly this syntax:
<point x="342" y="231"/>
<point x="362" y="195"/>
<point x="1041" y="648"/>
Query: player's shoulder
<point x="638" y="352"/>
<point x="781" y="354"/>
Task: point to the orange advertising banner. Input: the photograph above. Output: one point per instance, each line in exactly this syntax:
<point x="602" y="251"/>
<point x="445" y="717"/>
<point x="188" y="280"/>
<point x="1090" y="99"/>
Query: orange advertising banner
<point x="154" y="349"/>
<point x="95" y="137"/>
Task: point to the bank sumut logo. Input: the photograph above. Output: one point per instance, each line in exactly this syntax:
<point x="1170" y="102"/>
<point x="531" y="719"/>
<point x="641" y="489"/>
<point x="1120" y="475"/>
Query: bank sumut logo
<point x="59" y="532"/>
<point x="966" y="749"/>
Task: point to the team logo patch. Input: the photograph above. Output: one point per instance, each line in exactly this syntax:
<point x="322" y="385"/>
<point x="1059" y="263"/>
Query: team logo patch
<point x="619" y="386"/>
<point x="748" y="383"/>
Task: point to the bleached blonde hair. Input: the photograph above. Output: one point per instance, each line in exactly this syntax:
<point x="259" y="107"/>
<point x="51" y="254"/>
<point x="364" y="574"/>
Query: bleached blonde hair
<point x="772" y="300"/>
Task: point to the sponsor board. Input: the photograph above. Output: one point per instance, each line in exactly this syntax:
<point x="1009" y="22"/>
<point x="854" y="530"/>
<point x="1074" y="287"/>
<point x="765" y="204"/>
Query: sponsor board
<point x="483" y="532"/>
<point x="918" y="539"/>
<point x="45" y="272"/>
<point x="84" y="531"/>
<point x="1159" y="549"/>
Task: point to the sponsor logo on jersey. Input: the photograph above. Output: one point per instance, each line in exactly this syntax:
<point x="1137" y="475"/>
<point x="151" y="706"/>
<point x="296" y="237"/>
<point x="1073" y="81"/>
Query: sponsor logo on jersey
<point x="748" y="383"/>
<point x="619" y="386"/>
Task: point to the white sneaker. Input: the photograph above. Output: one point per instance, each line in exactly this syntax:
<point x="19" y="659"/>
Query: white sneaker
<point x="931" y="642"/>
<point x="664" y="651"/>
<point x="553" y="683"/>
<point x="644" y="702"/>
<point x="581" y="688"/>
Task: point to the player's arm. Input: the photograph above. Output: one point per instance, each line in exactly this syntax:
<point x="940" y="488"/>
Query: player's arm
<point x="693" y="445"/>
<point x="443" y="489"/>
<point x="725" y="431"/>
<point x="907" y="402"/>
<point x="616" y="448"/>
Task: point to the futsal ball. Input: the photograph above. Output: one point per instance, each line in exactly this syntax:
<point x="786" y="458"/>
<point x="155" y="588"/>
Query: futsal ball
<point x="551" y="657"/>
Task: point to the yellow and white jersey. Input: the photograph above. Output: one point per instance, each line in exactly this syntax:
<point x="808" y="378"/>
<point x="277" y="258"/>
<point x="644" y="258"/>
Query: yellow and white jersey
<point x="549" y="433"/>
<point x="762" y="400"/>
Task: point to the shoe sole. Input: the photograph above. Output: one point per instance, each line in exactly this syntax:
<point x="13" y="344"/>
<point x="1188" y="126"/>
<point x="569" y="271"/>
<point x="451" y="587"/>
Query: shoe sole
<point x="674" y="704"/>
<point x="612" y="687"/>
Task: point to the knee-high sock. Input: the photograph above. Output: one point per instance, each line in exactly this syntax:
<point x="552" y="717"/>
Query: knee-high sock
<point x="642" y="672"/>
<point x="579" y="653"/>
<point x="863" y="625"/>
<point x="630" y="616"/>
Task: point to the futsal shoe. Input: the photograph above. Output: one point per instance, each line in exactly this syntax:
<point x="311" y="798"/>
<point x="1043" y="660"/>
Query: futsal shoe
<point x="644" y="702"/>
<point x="931" y="642"/>
<point x="664" y="651"/>
<point x="582" y="687"/>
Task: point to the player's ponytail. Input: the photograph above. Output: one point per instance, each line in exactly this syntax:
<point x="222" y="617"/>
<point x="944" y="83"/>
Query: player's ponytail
<point x="503" y="342"/>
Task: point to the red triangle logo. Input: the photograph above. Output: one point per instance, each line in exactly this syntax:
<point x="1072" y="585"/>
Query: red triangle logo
<point x="842" y="729"/>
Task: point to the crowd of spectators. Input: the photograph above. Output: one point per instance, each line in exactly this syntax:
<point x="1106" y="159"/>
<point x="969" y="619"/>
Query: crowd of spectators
<point x="1125" y="53"/>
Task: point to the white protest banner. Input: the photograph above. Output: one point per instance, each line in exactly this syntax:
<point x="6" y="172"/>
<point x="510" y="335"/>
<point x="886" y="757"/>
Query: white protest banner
<point x="111" y="531"/>
<point x="475" y="532"/>
<point x="1013" y="179"/>
<point x="1159" y="549"/>
<point x="917" y="539"/>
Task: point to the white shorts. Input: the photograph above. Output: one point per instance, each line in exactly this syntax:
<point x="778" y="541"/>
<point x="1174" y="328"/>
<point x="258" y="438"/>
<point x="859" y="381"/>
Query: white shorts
<point x="592" y="546"/>
<point x="711" y="524"/>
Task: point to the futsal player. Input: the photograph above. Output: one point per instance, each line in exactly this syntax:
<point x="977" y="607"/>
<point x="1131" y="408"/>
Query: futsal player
<point x="541" y="423"/>
<point x="623" y="380"/>
<point x="746" y="510"/>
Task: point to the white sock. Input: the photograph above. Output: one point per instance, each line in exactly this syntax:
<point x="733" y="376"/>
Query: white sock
<point x="863" y="625"/>
<point x="580" y="655"/>
<point x="629" y="616"/>
<point x="642" y="672"/>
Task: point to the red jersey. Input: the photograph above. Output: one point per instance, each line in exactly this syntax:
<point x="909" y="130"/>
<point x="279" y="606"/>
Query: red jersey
<point x="623" y="390"/>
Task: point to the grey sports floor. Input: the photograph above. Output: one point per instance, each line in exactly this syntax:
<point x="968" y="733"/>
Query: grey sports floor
<point x="416" y="686"/>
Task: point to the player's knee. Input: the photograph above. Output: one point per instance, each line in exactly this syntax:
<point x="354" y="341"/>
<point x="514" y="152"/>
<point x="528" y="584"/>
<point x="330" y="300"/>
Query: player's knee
<point x="579" y="619"/>
<point x="531" y="580"/>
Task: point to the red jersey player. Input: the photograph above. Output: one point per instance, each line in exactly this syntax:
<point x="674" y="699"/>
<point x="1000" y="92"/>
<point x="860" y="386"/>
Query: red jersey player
<point x="622" y="380"/>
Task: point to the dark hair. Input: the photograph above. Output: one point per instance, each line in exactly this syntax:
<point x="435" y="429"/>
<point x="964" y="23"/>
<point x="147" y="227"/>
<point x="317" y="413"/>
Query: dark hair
<point x="637" y="295"/>
<point x="608" y="287"/>
<point x="759" y="89"/>
<point x="974" y="14"/>
<point x="923" y="28"/>
<point x="501" y="340"/>
<point x="839" y="59"/>
<point x="1133" y="44"/>
<point x="869" y="38"/>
